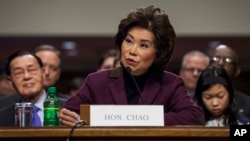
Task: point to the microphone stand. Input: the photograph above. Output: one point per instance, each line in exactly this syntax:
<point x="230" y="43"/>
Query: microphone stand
<point x="128" y="69"/>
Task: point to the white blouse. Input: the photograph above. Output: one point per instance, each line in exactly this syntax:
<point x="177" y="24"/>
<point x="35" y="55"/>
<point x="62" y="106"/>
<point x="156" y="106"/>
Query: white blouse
<point x="215" y="122"/>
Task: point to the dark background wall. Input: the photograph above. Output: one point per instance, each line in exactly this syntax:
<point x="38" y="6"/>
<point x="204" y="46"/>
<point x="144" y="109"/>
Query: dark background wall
<point x="84" y="58"/>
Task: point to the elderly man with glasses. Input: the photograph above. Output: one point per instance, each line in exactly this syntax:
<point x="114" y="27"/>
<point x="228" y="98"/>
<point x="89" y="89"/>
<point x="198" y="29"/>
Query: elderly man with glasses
<point x="227" y="58"/>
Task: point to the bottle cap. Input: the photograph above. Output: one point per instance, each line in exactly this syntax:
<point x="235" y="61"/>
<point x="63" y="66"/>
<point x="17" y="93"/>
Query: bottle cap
<point x="52" y="90"/>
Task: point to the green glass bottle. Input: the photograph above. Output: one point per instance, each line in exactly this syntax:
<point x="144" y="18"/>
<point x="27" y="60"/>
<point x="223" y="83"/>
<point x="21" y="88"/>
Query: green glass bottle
<point x="51" y="107"/>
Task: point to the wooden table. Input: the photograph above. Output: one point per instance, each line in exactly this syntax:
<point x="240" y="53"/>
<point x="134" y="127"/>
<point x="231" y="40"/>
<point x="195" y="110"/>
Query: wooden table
<point x="170" y="133"/>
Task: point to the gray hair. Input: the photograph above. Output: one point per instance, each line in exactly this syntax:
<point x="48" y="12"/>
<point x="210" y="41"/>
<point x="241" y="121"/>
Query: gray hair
<point x="47" y="47"/>
<point x="194" y="53"/>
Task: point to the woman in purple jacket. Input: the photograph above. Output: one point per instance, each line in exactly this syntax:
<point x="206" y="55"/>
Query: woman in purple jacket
<point x="145" y="39"/>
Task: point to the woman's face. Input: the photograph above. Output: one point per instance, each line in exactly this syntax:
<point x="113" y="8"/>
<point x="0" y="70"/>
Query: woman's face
<point x="138" y="50"/>
<point x="216" y="100"/>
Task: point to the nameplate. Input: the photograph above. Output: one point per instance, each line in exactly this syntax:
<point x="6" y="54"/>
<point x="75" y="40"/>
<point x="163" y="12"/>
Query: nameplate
<point x="126" y="115"/>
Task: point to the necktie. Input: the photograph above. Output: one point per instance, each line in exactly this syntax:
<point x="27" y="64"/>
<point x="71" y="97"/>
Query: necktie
<point x="35" y="118"/>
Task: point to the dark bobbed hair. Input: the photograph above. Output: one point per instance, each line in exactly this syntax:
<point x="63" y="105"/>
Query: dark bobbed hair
<point x="18" y="54"/>
<point x="211" y="76"/>
<point x="75" y="83"/>
<point x="155" y="20"/>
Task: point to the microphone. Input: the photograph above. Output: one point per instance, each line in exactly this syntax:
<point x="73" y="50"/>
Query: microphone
<point x="128" y="69"/>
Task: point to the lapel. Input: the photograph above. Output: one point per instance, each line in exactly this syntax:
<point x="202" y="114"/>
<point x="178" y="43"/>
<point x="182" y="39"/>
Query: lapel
<point x="117" y="87"/>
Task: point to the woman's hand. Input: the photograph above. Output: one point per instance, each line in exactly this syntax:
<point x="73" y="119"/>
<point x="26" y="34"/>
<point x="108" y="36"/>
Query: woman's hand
<point x="68" y="117"/>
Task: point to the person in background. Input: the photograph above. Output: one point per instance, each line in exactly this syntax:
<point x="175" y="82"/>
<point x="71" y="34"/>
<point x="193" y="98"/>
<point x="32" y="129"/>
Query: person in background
<point x="146" y="40"/>
<point x="51" y="59"/>
<point x="74" y="85"/>
<point x="117" y="61"/>
<point x="107" y="60"/>
<point x="5" y="86"/>
<point x="25" y="72"/>
<point x="193" y="63"/>
<point x="227" y="58"/>
<point x="215" y="95"/>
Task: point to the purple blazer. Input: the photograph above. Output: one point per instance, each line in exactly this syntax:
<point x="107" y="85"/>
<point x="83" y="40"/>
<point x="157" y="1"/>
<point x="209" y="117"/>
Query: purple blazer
<point x="107" y="87"/>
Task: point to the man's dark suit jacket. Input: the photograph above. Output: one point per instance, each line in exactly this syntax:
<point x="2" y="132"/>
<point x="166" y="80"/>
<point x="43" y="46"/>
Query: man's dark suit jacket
<point x="107" y="87"/>
<point x="243" y="103"/>
<point x="7" y="109"/>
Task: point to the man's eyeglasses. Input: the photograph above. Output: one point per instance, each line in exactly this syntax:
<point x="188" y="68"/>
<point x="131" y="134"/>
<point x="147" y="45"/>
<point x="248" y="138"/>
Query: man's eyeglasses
<point x="226" y="60"/>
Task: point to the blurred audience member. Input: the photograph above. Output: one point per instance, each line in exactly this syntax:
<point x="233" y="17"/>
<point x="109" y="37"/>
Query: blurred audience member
<point x="75" y="84"/>
<point x="193" y="63"/>
<point x="50" y="57"/>
<point x="6" y="87"/>
<point x="117" y="61"/>
<point x="227" y="58"/>
<point x="107" y="60"/>
<point x="51" y="63"/>
<point x="215" y="95"/>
